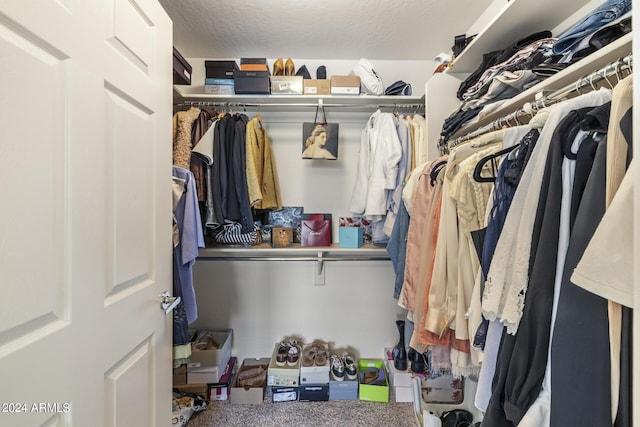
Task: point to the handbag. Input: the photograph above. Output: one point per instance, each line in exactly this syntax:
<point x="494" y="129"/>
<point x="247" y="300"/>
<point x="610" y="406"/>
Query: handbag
<point x="231" y="233"/>
<point x="370" y="81"/>
<point x="320" y="139"/>
<point x="316" y="231"/>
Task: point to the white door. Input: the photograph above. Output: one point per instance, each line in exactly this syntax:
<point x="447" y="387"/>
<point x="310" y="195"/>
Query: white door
<point x="85" y="218"/>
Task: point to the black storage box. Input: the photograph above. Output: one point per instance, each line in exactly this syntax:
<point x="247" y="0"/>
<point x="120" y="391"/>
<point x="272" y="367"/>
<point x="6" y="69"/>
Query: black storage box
<point x="251" y="82"/>
<point x="181" y="69"/>
<point x="220" y="69"/>
<point x="314" y="393"/>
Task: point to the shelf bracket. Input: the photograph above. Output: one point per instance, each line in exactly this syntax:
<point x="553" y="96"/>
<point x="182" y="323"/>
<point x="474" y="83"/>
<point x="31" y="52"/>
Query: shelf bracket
<point x="319" y="271"/>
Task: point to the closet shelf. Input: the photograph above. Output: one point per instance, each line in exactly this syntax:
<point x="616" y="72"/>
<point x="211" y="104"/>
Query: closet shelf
<point x="516" y="19"/>
<point x="599" y="59"/>
<point x="265" y="252"/>
<point x="183" y="96"/>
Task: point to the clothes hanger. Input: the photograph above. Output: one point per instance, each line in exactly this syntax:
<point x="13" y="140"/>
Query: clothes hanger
<point x="433" y="175"/>
<point x="259" y="117"/>
<point x="477" y="172"/>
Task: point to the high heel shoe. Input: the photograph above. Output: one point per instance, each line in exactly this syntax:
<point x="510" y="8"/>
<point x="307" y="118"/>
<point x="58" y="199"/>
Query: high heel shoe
<point x="278" y="67"/>
<point x="289" y="68"/>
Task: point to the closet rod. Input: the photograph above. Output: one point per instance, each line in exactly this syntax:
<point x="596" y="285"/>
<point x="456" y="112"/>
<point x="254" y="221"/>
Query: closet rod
<point x="530" y="108"/>
<point x="258" y="258"/>
<point x="292" y="105"/>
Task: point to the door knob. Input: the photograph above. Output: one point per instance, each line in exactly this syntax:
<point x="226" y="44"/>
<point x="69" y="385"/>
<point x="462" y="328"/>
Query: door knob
<point x="168" y="302"/>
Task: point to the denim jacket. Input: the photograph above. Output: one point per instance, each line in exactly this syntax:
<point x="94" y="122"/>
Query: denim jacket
<point x="609" y="11"/>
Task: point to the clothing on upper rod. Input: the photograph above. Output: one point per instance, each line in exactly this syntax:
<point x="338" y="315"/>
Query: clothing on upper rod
<point x="527" y="110"/>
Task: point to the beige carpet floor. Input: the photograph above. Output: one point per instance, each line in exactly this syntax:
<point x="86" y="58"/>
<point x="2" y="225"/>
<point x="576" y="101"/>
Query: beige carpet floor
<point x="342" y="413"/>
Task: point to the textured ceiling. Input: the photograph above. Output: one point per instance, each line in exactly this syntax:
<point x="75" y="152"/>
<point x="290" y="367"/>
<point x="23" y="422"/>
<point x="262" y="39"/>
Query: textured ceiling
<point x="328" y="29"/>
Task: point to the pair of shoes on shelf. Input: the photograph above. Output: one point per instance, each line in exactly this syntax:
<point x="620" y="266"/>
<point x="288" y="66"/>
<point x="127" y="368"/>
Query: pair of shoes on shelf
<point x="253" y="377"/>
<point x="343" y="366"/>
<point x="288" y="353"/>
<point x="281" y="68"/>
<point x="315" y="353"/>
<point x="372" y="376"/>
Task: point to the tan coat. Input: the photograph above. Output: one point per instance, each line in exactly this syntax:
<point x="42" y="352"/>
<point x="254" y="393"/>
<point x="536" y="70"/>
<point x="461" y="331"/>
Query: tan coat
<point x="262" y="177"/>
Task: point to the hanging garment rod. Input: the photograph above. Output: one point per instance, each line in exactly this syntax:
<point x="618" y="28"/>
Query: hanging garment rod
<point x="530" y="108"/>
<point x="259" y="258"/>
<point x="293" y="105"/>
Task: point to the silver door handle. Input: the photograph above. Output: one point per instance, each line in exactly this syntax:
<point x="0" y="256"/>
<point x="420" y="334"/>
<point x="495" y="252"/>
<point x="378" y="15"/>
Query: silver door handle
<point x="168" y="302"/>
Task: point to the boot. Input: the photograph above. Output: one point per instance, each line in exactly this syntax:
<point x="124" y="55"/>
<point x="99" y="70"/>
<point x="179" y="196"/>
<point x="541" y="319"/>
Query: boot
<point x="400" y="351"/>
<point x="417" y="360"/>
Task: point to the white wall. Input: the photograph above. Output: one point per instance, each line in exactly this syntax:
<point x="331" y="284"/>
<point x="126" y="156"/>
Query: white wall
<point x="265" y="301"/>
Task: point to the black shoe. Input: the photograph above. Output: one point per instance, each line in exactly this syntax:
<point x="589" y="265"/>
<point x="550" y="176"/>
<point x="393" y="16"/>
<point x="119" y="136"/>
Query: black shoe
<point x="321" y="73"/>
<point x="417" y="360"/>
<point x="456" y="418"/>
<point x="302" y="71"/>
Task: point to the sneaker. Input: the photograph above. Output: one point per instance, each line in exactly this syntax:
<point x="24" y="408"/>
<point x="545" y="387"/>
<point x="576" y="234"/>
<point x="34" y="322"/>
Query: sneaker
<point x="349" y="366"/>
<point x="293" y="354"/>
<point x="281" y="355"/>
<point x="337" y="368"/>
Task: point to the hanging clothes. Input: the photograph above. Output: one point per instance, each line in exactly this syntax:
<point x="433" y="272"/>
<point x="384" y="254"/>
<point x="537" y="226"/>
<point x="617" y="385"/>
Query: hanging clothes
<point x="522" y="360"/>
<point x="260" y="168"/>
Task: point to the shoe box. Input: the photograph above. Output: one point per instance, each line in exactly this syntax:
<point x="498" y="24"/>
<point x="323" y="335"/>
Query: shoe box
<point x="401" y="382"/>
<point x="286" y="375"/>
<point x="208" y="365"/>
<point x="251" y="82"/>
<point x="244" y="394"/>
<point x="314" y="374"/>
<point x="373" y="392"/>
<point x="345" y="85"/>
<point x="181" y="69"/>
<point x="220" y="390"/>
<point x="282" y="393"/>
<point x="212" y="356"/>
<point x="214" y="86"/>
<point x="343" y="390"/>
<point x="439" y="387"/>
<point x="313" y="392"/>
<point x="316" y="87"/>
<point x="286" y="85"/>
<point x="220" y="69"/>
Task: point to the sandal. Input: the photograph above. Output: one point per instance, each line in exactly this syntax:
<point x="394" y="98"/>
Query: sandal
<point x="321" y="354"/>
<point x="309" y="355"/>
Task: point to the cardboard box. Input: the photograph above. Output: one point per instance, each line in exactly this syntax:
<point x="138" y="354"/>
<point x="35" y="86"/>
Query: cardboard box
<point x="212" y="356"/>
<point x="451" y="396"/>
<point x="199" y="389"/>
<point x="313" y="392"/>
<point x="291" y="85"/>
<point x="283" y="394"/>
<point x="316" y="87"/>
<point x="248" y="395"/>
<point x="350" y="237"/>
<point x="286" y="375"/>
<point x="181" y="69"/>
<point x="370" y="392"/>
<point x="281" y="237"/>
<point x="343" y="390"/>
<point x="251" y="82"/>
<point x="219" y="86"/>
<point x="402" y="394"/>
<point x="397" y="378"/>
<point x="179" y="375"/>
<point x="345" y="85"/>
<point x="220" y="69"/>
<point x="220" y="390"/>
<point x="254" y="64"/>
<point x="205" y="374"/>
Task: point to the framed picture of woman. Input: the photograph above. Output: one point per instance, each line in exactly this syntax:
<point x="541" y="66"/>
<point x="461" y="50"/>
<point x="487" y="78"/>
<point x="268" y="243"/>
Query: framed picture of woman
<point x="320" y="141"/>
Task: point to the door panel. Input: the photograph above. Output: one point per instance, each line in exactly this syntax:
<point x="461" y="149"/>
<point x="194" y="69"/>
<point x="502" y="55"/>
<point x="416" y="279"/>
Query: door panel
<point x="85" y="229"/>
